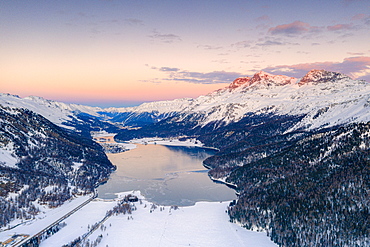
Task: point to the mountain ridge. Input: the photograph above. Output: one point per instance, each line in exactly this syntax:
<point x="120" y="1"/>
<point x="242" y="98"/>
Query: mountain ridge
<point x="247" y="94"/>
<point x="296" y="150"/>
<point x="36" y="155"/>
<point x="296" y="153"/>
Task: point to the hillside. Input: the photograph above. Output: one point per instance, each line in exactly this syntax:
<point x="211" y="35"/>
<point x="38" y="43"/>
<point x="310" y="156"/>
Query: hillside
<point x="43" y="164"/>
<point x="308" y="191"/>
<point x="78" y="118"/>
<point x="296" y="151"/>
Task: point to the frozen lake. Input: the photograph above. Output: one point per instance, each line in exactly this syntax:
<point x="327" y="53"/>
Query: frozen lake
<point x="167" y="175"/>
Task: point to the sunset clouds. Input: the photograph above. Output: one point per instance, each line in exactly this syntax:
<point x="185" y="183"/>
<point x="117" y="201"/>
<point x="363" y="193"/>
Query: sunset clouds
<point x="338" y="27"/>
<point x="214" y="77"/>
<point x="136" y="51"/>
<point x="356" y="67"/>
<point x="294" y="28"/>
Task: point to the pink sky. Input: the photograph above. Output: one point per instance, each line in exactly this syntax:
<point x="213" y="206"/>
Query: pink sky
<point x="127" y="52"/>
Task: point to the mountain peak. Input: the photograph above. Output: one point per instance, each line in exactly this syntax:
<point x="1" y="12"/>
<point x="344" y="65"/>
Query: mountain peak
<point x="238" y="82"/>
<point x="261" y="75"/>
<point x="321" y="76"/>
<point x="10" y="95"/>
<point x="37" y="98"/>
<point x="266" y="79"/>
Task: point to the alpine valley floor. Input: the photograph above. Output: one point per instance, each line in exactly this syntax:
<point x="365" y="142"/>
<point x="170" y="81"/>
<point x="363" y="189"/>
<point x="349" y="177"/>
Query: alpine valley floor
<point x="204" y="224"/>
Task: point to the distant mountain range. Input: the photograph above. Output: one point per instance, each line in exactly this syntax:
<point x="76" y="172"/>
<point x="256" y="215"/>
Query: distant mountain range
<point x="325" y="98"/>
<point x="295" y="150"/>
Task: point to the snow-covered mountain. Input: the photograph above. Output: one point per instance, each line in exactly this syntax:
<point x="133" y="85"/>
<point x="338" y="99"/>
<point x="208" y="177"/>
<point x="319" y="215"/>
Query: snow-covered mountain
<point x="146" y="113"/>
<point x="296" y="150"/>
<point x="325" y="98"/>
<point x="43" y="163"/>
<point x="57" y="112"/>
<point x="328" y="98"/>
<point x="79" y="118"/>
<point x="319" y="99"/>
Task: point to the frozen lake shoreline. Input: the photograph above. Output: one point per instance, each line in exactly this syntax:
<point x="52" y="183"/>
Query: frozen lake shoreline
<point x="203" y="224"/>
<point x="165" y="174"/>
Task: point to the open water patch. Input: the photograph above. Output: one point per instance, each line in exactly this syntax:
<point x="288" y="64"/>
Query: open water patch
<point x="167" y="175"/>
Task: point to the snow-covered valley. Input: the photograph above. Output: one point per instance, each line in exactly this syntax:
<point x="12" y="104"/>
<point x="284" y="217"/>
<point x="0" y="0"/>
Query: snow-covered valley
<point x="148" y="224"/>
<point x="296" y="151"/>
<point x="205" y="224"/>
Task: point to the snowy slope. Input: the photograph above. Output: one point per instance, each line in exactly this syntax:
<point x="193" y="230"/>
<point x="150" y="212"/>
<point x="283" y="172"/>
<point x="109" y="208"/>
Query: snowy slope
<point x="42" y="162"/>
<point x="325" y="98"/>
<point x="204" y="224"/>
<point x="161" y="107"/>
<point x="56" y="112"/>
<point x="328" y="98"/>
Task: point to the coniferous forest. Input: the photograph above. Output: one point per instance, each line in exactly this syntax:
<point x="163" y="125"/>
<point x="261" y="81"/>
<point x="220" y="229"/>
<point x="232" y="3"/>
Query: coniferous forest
<point x="53" y="164"/>
<point x="304" y="188"/>
<point x="303" y="180"/>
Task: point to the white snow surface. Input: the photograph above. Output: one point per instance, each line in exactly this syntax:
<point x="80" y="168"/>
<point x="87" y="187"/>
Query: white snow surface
<point x="169" y="142"/>
<point x="42" y="220"/>
<point x="105" y="138"/>
<point x="204" y="224"/>
<point x="164" y="106"/>
<point x="327" y="99"/>
<point x="7" y="158"/>
<point x="347" y="100"/>
<point x="56" y="112"/>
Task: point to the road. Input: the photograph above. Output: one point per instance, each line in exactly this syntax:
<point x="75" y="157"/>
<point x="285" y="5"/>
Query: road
<point x="41" y="232"/>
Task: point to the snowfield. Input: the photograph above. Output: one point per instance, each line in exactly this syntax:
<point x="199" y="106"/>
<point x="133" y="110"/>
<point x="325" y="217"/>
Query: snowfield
<point x="56" y="112"/>
<point x="204" y="224"/>
<point x="46" y="217"/>
<point x="168" y="142"/>
<point x="8" y="159"/>
<point x="108" y="138"/>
